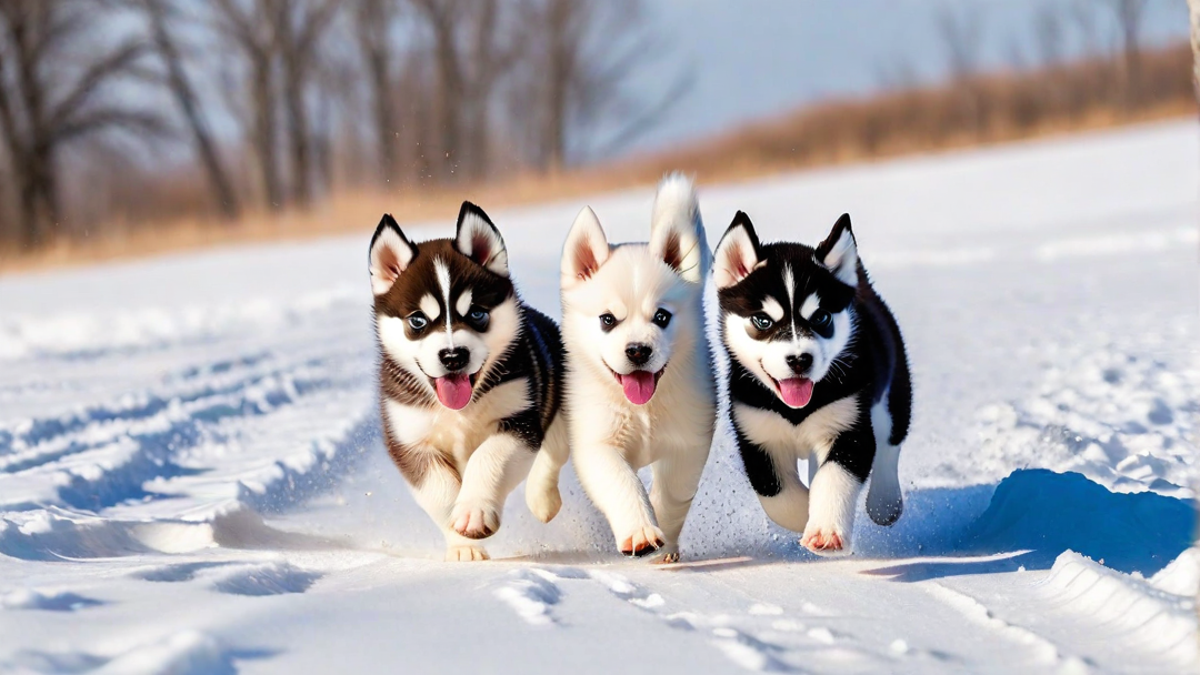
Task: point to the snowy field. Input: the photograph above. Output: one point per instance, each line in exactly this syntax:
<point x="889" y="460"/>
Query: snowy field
<point x="192" y="478"/>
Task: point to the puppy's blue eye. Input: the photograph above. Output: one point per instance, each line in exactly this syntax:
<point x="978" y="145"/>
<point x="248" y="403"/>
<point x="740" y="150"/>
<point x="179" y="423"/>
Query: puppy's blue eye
<point x="417" y="321"/>
<point x="820" y="319"/>
<point x="477" y="315"/>
<point x="761" y="321"/>
<point x="661" y="318"/>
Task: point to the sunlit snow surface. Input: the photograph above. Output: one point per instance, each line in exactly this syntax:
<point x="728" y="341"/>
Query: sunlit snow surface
<point x="192" y="480"/>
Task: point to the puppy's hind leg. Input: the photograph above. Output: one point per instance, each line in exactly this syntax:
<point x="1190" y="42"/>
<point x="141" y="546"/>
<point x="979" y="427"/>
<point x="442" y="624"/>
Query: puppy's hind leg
<point x="885" y="503"/>
<point x="541" y="488"/>
<point x="615" y="489"/>
<point x="776" y="481"/>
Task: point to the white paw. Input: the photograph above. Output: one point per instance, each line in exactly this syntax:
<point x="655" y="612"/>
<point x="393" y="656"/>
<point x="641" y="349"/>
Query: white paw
<point x="641" y="541"/>
<point x="826" y="540"/>
<point x="544" y="504"/>
<point x="666" y="555"/>
<point x="466" y="554"/>
<point x="475" y="521"/>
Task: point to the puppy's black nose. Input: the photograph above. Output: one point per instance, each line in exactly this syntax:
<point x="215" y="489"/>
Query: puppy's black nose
<point x="799" y="364"/>
<point x="638" y="354"/>
<point x="454" y="359"/>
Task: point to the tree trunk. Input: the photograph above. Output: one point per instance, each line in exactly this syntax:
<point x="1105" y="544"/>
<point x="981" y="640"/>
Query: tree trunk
<point x="264" y="132"/>
<point x="185" y="97"/>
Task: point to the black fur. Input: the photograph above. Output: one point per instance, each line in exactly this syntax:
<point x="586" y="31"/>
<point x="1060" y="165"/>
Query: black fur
<point x="872" y="364"/>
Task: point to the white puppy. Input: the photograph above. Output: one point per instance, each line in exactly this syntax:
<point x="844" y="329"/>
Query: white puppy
<point x="639" y="378"/>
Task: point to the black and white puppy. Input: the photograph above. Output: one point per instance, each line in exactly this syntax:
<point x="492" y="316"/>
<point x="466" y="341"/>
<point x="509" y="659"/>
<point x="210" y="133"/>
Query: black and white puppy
<point x="470" y="379"/>
<point x="817" y="371"/>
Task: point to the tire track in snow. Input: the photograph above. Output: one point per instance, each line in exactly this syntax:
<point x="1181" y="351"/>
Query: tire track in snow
<point x="1042" y="651"/>
<point x="103" y="455"/>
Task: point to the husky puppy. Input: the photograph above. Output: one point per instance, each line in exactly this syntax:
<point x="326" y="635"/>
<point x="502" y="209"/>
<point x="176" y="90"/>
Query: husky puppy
<point x="470" y="379"/>
<point x="639" y="369"/>
<point x="818" y="372"/>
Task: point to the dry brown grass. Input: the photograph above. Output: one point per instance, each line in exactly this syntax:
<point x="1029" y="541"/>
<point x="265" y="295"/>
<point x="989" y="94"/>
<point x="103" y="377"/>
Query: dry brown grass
<point x="985" y="110"/>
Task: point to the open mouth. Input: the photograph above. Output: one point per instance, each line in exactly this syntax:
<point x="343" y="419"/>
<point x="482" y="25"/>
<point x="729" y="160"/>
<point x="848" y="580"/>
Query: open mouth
<point x="638" y="385"/>
<point x="454" y="389"/>
<point x="795" y="392"/>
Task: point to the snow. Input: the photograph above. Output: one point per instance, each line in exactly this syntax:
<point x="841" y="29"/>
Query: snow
<point x="192" y="479"/>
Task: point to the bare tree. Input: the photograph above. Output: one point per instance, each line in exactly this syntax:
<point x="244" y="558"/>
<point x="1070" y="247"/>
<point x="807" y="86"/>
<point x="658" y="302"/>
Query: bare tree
<point x="584" y="54"/>
<point x="300" y="27"/>
<point x="1194" y="14"/>
<point x="48" y="101"/>
<point x="1130" y="15"/>
<point x="1083" y="15"/>
<point x="375" y="20"/>
<point x="441" y="18"/>
<point x="160" y="14"/>
<point x="962" y="34"/>
<point x="1048" y="30"/>
<point x="250" y="28"/>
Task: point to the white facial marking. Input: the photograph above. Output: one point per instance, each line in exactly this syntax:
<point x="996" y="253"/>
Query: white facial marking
<point x="789" y="284"/>
<point x="464" y="303"/>
<point x="811" y="304"/>
<point x="429" y="306"/>
<point x="773" y="309"/>
<point x="443" y="278"/>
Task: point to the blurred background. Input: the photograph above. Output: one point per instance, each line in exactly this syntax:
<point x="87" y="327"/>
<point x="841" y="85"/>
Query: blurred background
<point x="136" y="126"/>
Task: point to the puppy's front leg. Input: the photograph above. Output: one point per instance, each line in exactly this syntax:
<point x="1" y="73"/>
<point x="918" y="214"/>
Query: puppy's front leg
<point x="676" y="478"/>
<point x="614" y="487"/>
<point x="435" y="485"/>
<point x="835" y="491"/>
<point x="494" y="470"/>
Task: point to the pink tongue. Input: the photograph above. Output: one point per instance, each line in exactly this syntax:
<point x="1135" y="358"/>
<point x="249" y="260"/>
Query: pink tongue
<point x="454" y="391"/>
<point x="639" y="386"/>
<point x="796" y="392"/>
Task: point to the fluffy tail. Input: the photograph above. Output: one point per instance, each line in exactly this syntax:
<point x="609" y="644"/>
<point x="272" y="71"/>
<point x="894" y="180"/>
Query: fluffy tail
<point x="677" y="230"/>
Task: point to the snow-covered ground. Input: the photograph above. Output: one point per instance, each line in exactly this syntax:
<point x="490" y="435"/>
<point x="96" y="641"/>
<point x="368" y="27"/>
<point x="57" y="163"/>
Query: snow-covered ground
<point x="192" y="480"/>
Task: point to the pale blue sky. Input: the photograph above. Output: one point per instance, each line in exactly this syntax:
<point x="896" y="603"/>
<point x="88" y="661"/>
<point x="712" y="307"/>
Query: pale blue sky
<point x="755" y="58"/>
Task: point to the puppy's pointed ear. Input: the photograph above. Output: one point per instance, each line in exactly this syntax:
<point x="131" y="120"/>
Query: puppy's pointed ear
<point x="479" y="240"/>
<point x="586" y="248"/>
<point x="839" y="252"/>
<point x="391" y="253"/>
<point x="676" y="231"/>
<point x="738" y="253"/>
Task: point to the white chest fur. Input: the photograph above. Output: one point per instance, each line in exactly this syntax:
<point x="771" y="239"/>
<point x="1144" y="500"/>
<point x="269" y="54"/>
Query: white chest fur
<point x="455" y="433"/>
<point x="815" y="434"/>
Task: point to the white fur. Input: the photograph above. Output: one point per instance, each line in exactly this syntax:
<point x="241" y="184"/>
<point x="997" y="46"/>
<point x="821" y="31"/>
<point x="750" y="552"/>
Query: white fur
<point x="734" y="259"/>
<point x="834" y="495"/>
<point x="842" y="259"/>
<point x="490" y="465"/>
<point x="772" y="308"/>
<point x="390" y="256"/>
<point x="786" y="443"/>
<point x="473" y="227"/>
<point x="612" y="438"/>
<point x="811" y="304"/>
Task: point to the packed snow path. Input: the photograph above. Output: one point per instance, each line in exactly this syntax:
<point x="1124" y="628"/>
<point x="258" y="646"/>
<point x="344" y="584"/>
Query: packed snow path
<point x="192" y="480"/>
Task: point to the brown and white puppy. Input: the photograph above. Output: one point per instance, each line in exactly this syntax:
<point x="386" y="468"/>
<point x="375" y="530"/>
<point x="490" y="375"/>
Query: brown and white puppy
<point x="470" y="379"/>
